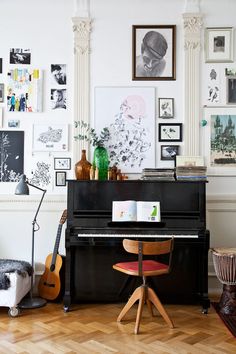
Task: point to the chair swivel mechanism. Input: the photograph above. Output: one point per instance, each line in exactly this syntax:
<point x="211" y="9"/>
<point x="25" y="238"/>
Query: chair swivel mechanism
<point x="145" y="268"/>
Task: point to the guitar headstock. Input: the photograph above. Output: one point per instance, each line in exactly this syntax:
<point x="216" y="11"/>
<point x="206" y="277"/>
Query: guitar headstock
<point x="63" y="217"/>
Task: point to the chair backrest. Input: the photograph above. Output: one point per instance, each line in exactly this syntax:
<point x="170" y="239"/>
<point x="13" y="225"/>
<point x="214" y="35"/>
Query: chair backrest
<point x="149" y="248"/>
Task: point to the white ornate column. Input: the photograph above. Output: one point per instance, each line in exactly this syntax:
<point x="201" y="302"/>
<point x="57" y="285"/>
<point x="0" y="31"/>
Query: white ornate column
<point x="81" y="28"/>
<point x="192" y="46"/>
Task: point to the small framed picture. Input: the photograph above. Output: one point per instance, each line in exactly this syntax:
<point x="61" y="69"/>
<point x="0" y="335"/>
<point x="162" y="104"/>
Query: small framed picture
<point x="1" y="92"/>
<point x="62" y="163"/>
<point x="219" y="45"/>
<point x="231" y="90"/>
<point x="169" y="152"/>
<point x="60" y="178"/>
<point x="0" y="65"/>
<point x="166" y="107"/>
<point x="170" y="132"/>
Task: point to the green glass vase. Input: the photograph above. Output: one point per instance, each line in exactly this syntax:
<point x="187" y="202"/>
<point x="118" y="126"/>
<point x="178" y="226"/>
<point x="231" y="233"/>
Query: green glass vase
<point x="101" y="161"/>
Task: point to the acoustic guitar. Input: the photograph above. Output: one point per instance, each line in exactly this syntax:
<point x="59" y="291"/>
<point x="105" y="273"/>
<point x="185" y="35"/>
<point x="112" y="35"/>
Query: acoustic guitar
<point x="49" y="286"/>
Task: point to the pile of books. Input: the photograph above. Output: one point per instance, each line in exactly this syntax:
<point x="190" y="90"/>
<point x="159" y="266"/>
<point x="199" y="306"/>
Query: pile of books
<point x="191" y="173"/>
<point x="158" y="174"/>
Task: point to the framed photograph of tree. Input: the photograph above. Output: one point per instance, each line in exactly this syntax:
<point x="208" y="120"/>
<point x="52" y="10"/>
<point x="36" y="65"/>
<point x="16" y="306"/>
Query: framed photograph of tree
<point x="154" y="52"/>
<point x="219" y="143"/>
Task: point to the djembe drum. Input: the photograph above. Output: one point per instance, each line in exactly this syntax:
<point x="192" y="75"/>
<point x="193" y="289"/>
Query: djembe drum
<point x="224" y="260"/>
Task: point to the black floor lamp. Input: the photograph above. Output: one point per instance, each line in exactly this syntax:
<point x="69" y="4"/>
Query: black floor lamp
<point x="23" y="189"/>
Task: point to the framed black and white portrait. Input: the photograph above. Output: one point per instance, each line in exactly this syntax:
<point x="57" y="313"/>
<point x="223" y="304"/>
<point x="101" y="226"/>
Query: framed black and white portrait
<point x="154" y="52"/>
<point x="219" y="45"/>
<point x="166" y="107"/>
<point x="20" y="56"/>
<point x="58" y="74"/>
<point x="170" y="132"/>
<point x="60" y="178"/>
<point x="231" y="90"/>
<point x="169" y="152"/>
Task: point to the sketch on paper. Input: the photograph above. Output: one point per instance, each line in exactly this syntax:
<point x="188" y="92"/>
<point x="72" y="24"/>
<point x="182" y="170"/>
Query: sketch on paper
<point x="129" y="113"/>
<point x="223" y="140"/>
<point x="41" y="174"/>
<point x="24" y="90"/>
<point x="11" y="155"/>
<point x="20" y="56"/>
<point x="213" y="86"/>
<point x="50" y="137"/>
<point x="58" y="74"/>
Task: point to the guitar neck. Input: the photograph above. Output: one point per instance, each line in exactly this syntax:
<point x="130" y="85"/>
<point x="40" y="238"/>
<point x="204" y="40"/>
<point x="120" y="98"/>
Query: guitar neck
<point x="57" y="242"/>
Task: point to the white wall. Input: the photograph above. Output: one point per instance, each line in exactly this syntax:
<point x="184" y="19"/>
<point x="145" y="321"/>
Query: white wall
<point x="46" y="28"/>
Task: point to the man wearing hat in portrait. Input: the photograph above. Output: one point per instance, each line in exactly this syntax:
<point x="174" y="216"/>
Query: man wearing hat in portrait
<point x="153" y="49"/>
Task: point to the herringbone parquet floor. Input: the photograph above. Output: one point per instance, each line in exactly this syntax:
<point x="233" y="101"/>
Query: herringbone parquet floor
<point x="92" y="329"/>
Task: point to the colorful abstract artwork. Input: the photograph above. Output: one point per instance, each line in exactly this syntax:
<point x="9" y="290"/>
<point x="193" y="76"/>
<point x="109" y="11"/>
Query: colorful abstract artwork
<point x="24" y="90"/>
<point x="11" y="155"/>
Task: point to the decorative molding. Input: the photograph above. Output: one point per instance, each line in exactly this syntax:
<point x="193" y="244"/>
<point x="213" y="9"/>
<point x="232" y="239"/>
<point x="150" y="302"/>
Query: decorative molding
<point x="81" y="29"/>
<point x="30" y="202"/>
<point x="192" y="23"/>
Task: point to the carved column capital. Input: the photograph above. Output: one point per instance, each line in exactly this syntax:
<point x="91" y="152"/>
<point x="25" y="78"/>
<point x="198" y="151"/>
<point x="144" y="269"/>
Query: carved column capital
<point x="81" y="28"/>
<point x="192" y="30"/>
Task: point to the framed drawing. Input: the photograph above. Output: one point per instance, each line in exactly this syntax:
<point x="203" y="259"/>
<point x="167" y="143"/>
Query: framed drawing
<point x="153" y="52"/>
<point x="1" y="93"/>
<point x="129" y="114"/>
<point x="60" y="179"/>
<point x="169" y="152"/>
<point x="50" y="137"/>
<point x="219" y="44"/>
<point x="231" y="89"/>
<point x="170" y="132"/>
<point x="11" y="155"/>
<point x="166" y="107"/>
<point x="219" y="140"/>
<point x="62" y="163"/>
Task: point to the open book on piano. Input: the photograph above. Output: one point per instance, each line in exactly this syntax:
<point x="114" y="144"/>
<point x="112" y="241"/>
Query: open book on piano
<point x="131" y="210"/>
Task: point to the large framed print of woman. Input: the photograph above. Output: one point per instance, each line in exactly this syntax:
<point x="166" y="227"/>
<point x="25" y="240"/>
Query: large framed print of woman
<point x="154" y="52"/>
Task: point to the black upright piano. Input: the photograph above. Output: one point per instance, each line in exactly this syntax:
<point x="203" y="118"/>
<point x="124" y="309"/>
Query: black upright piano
<point x="93" y="243"/>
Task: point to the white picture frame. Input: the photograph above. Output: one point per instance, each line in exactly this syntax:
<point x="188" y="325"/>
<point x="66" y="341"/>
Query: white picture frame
<point x="219" y="44"/>
<point x="50" y="137"/>
<point x="219" y="155"/>
<point x="166" y="108"/>
<point x="129" y="113"/>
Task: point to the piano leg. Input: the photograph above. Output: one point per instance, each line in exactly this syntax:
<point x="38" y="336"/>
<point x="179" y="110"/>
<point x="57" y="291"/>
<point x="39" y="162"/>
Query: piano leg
<point x="67" y="299"/>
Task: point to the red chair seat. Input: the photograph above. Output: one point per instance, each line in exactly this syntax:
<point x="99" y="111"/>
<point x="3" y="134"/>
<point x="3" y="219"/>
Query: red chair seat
<point x="148" y="266"/>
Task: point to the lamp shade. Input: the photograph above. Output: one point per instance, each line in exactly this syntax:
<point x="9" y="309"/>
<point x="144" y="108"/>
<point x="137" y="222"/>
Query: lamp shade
<point x="22" y="187"/>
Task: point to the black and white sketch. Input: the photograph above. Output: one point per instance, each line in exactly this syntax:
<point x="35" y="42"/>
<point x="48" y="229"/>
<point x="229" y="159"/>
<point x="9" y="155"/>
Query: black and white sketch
<point x="166" y="107"/>
<point x="58" y="99"/>
<point x="41" y="174"/>
<point x="62" y="163"/>
<point x="60" y="178"/>
<point x="169" y="152"/>
<point x="219" y="44"/>
<point x="20" y="56"/>
<point x="153" y="52"/>
<point x="231" y="90"/>
<point x="170" y="132"/>
<point x="129" y="114"/>
<point x="11" y="155"/>
<point x="50" y="137"/>
<point x="58" y="74"/>
<point x="213" y="85"/>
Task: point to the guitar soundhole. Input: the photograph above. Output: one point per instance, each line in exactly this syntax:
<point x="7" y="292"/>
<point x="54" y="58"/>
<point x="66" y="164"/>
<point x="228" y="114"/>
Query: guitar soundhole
<point x="49" y="285"/>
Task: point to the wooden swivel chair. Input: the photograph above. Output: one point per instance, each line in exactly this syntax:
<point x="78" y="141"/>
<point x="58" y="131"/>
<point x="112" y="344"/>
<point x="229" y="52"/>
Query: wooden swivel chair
<point x="145" y="268"/>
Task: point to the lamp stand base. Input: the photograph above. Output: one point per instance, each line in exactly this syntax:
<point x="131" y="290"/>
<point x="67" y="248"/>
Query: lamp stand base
<point x="32" y="303"/>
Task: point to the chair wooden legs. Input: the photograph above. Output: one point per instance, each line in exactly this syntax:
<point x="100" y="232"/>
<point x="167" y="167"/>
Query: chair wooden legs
<point x="144" y="294"/>
<point x="152" y="296"/>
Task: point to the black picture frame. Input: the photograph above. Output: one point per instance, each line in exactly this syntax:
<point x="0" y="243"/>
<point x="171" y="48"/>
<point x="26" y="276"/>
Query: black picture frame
<point x="62" y="163"/>
<point x="153" y="52"/>
<point x="169" y="152"/>
<point x="170" y="131"/>
<point x="0" y="65"/>
<point x="60" y="178"/>
<point x="231" y="90"/>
